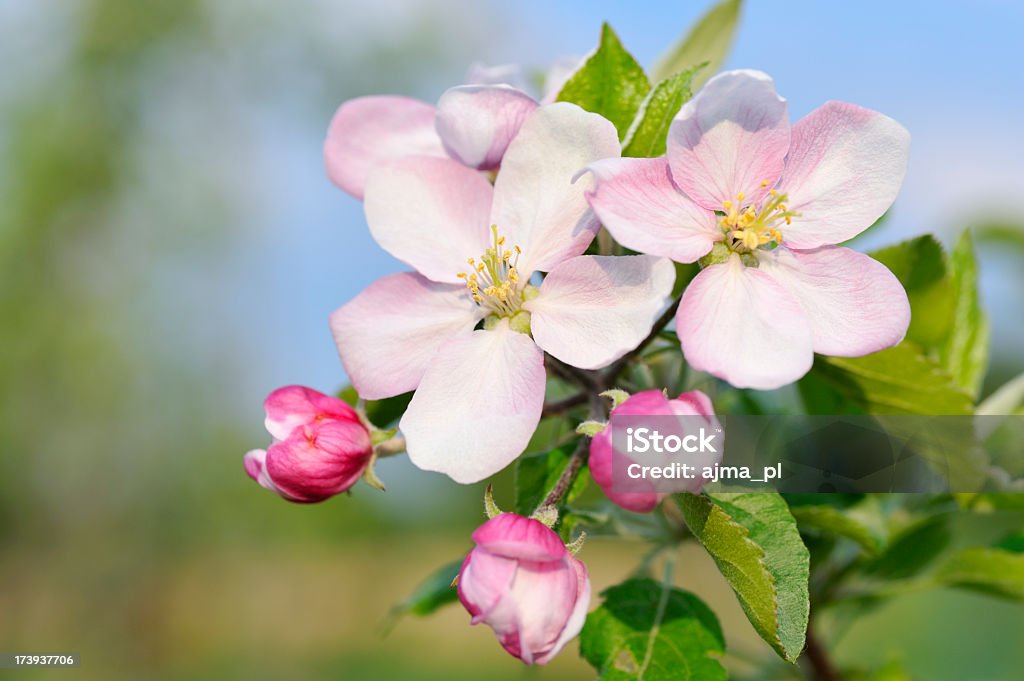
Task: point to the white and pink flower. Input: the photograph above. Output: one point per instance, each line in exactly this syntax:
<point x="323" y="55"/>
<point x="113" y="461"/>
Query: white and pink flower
<point x="472" y="124"/>
<point x="764" y="204"/>
<point x="476" y="249"/>
<point x="321" y="447"/>
<point x="521" y="581"/>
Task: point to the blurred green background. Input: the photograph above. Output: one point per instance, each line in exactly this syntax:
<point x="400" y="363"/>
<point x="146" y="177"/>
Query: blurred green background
<point x="169" y="250"/>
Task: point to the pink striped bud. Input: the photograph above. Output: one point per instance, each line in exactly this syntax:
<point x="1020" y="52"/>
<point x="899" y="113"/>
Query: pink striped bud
<point x="522" y="582"/>
<point x="321" y="447"/>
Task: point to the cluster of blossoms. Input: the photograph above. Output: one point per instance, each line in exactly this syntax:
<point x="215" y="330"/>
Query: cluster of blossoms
<point x="492" y="199"/>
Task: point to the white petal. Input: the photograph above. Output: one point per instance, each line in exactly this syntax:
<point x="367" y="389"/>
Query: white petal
<point x="854" y="304"/>
<point x="643" y="209"/>
<point x="729" y="139"/>
<point x="477" y="122"/>
<point x="477" y="405"/>
<point x="591" y="309"/>
<point x="845" y="167"/>
<point x="742" y="326"/>
<point x="389" y="333"/>
<point x="536" y="204"/>
<point x="369" y="130"/>
<point x="430" y="213"/>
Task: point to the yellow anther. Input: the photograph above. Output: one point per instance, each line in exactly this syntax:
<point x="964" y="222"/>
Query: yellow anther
<point x="772" y="192"/>
<point x="727" y="204"/>
<point x="764" y="183"/>
<point x="494" y="280"/>
<point x="741" y="196"/>
<point x="461" y="275"/>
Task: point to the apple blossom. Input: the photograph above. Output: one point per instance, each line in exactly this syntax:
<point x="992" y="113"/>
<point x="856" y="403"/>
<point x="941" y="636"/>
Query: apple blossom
<point x="472" y="124"/>
<point x="763" y="204"/>
<point x="320" y="448"/>
<point x="608" y="463"/>
<point x="475" y="247"/>
<point x="522" y="582"/>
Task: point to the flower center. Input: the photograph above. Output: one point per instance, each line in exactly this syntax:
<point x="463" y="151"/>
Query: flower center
<point x="493" y="279"/>
<point x="752" y="227"/>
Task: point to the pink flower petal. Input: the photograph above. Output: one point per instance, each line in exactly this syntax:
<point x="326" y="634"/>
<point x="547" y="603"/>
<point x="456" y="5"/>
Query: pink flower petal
<point x="477" y="405"/>
<point x="484" y="580"/>
<point x="369" y="130"/>
<point x="388" y="334"/>
<point x="855" y="305"/>
<point x="639" y="495"/>
<point x="592" y="309"/>
<point x="578" y="615"/>
<point x="294" y="406"/>
<point x="430" y="213"/>
<point x="514" y="536"/>
<point x="741" y="325"/>
<point x="845" y="167"/>
<point x="545" y="595"/>
<point x="639" y="204"/>
<point x="729" y="139"/>
<point x="477" y="122"/>
<point x="327" y="459"/>
<point x="536" y="204"/>
<point x="256" y="468"/>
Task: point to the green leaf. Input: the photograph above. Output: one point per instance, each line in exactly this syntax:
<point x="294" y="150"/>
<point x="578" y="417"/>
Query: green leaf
<point x="434" y="592"/>
<point x="651" y="631"/>
<point x="900" y="380"/>
<point x="756" y="545"/>
<point x="382" y="413"/>
<point x="708" y="41"/>
<point x="913" y="549"/>
<point x="964" y="353"/>
<point x="843" y="523"/>
<point x="610" y="83"/>
<point x="647" y="135"/>
<point x="992" y="571"/>
<point x="920" y="265"/>
<point x="1006" y="399"/>
<point x="1013" y="543"/>
<point x="536" y="475"/>
<point x="1003" y="233"/>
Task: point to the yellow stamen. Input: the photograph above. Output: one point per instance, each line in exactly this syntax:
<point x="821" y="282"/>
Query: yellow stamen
<point x="753" y="226"/>
<point x="495" y="282"/>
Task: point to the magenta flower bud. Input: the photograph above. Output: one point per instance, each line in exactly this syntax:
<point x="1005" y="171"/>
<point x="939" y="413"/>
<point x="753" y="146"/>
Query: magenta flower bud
<point x="522" y="582"/>
<point x="320" y="448"/>
<point x="643" y="495"/>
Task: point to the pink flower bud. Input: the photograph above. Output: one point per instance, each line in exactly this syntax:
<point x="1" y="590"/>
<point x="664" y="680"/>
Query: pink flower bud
<point x="522" y="582"/>
<point x="320" y="448"/>
<point x="642" y="496"/>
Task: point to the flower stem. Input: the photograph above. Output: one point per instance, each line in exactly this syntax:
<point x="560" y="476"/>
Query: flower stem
<point x="576" y="461"/>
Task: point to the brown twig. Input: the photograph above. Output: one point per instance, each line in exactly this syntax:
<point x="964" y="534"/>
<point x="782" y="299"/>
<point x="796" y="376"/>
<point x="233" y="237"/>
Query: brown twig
<point x="818" y="658"/>
<point x="563" y="405"/>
